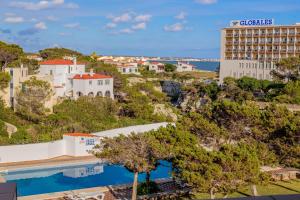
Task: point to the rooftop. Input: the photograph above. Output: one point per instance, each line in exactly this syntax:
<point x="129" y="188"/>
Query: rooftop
<point x="91" y="76"/>
<point x="80" y="135"/>
<point x="59" y="62"/>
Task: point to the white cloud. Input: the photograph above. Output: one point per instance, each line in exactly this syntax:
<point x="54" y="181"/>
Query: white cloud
<point x="126" y="17"/>
<point x="126" y="30"/>
<point x="72" y="6"/>
<point x="174" y="27"/>
<point x="14" y="19"/>
<point x="52" y="18"/>
<point x="207" y="1"/>
<point x="40" y="26"/>
<point x="9" y="14"/>
<point x="142" y="18"/>
<point x="181" y="15"/>
<point x="72" y="25"/>
<point x="110" y="25"/>
<point x="40" y="5"/>
<point x="139" y="26"/>
<point x="64" y="34"/>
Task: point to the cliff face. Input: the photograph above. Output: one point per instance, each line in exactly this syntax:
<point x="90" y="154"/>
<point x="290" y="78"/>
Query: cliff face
<point x="172" y="89"/>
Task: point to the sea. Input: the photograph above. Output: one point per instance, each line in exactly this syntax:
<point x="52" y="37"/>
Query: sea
<point x="200" y="65"/>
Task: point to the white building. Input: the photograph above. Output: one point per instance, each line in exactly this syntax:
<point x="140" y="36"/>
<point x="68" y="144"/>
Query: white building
<point x="184" y="67"/>
<point x="157" y="67"/>
<point x="91" y="84"/>
<point x="130" y="68"/>
<point x="71" y="80"/>
<point x="252" y="47"/>
<point x="62" y="72"/>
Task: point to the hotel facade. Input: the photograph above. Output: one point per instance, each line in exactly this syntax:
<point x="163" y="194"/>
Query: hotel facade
<point x="252" y="47"/>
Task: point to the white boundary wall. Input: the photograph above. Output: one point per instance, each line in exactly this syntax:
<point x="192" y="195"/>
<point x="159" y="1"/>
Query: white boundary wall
<point x="42" y="151"/>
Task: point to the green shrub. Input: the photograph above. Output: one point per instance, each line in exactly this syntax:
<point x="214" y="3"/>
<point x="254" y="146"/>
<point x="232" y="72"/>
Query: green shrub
<point x="144" y="189"/>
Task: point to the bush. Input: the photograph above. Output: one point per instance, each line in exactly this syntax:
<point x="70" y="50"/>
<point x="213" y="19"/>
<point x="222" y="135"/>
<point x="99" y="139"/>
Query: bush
<point x="144" y="189"/>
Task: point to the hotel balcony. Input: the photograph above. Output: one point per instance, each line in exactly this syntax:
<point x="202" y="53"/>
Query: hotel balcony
<point x="297" y="50"/>
<point x="236" y="42"/>
<point x="291" y="51"/>
<point x="298" y="33"/>
<point x="277" y="34"/>
<point x="229" y="35"/>
<point x="228" y="42"/>
<point x="262" y="51"/>
<point x="276" y="42"/>
<point x="284" y="34"/>
<point x="262" y="34"/>
<point x="292" y="33"/>
<point x="270" y="34"/>
<point x="249" y="35"/>
<point x="256" y="35"/>
<point x="276" y="51"/>
<point x="283" y="51"/>
<point x="236" y="35"/>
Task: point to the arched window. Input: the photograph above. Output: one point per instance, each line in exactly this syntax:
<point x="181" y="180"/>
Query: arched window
<point x="91" y="94"/>
<point x="79" y="94"/>
<point x="99" y="94"/>
<point x="107" y="93"/>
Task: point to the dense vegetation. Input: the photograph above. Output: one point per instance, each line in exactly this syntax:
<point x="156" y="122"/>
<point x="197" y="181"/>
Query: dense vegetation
<point x="222" y="137"/>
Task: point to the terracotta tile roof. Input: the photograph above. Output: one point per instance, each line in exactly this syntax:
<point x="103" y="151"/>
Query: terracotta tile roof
<point x="80" y="135"/>
<point x="59" y="62"/>
<point x="89" y="76"/>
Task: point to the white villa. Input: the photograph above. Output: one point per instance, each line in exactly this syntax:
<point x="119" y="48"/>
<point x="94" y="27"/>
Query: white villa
<point x="92" y="84"/>
<point x="71" y="80"/>
<point x="129" y="68"/>
<point x="157" y="67"/>
<point x="184" y="67"/>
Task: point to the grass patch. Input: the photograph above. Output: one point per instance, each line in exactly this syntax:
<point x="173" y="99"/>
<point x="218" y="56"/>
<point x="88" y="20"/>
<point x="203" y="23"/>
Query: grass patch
<point x="274" y="188"/>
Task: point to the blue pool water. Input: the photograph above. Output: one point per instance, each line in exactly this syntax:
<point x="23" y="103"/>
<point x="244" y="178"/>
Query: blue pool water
<point x="39" y="181"/>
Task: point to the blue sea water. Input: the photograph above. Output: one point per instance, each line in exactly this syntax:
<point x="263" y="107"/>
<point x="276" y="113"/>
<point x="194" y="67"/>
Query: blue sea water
<point x="208" y="66"/>
<point x="48" y="180"/>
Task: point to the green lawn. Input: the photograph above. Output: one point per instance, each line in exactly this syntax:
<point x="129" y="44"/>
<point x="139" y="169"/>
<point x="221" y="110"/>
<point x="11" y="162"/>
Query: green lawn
<point x="274" y="188"/>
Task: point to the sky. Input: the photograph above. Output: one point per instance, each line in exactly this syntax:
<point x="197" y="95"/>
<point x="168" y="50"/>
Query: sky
<point x="181" y="28"/>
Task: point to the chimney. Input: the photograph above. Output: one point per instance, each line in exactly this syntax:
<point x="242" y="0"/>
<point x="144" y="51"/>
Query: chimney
<point x="74" y="60"/>
<point x="91" y="72"/>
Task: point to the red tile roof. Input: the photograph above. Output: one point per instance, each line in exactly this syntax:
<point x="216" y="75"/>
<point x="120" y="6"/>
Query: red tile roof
<point x="59" y="62"/>
<point x="80" y="135"/>
<point x="89" y="76"/>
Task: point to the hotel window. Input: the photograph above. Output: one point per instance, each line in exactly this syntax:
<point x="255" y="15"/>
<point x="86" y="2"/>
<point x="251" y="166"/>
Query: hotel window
<point x="100" y="82"/>
<point x="69" y="69"/>
<point x="107" y="82"/>
<point x="90" y="82"/>
<point x="130" y="70"/>
<point x="90" y="142"/>
<point x="124" y="70"/>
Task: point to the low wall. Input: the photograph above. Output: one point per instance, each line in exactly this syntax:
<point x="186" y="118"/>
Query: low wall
<point x="131" y="129"/>
<point x="28" y="152"/>
<point x="42" y="151"/>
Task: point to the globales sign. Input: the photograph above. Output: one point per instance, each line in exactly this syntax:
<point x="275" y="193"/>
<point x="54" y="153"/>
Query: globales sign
<point x="252" y="22"/>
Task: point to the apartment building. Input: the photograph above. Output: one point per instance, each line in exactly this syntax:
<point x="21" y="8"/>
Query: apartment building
<point x="252" y="47"/>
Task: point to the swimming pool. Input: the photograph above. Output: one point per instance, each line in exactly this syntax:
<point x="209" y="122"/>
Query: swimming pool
<point x="57" y="179"/>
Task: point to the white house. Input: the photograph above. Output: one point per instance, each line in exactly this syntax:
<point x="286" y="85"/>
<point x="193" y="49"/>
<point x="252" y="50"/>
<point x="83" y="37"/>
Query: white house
<point x="69" y="79"/>
<point x="62" y="71"/>
<point x="91" y="84"/>
<point x="157" y="67"/>
<point x="130" y="68"/>
<point x="184" y="67"/>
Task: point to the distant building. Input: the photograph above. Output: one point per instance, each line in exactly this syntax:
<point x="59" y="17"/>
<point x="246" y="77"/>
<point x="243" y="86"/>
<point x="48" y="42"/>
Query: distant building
<point x="252" y="47"/>
<point x="184" y="67"/>
<point x="157" y="67"/>
<point x="130" y="68"/>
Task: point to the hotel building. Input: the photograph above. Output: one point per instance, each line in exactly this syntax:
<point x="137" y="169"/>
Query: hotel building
<point x="252" y="48"/>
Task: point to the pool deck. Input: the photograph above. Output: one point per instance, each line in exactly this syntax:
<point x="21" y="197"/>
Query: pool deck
<point x="50" y="162"/>
<point x="58" y="195"/>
